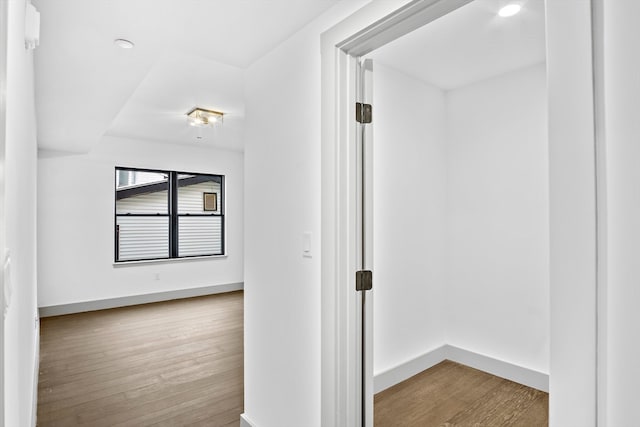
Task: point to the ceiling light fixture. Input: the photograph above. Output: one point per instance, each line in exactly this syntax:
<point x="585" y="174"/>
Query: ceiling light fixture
<point x="509" y="10"/>
<point x="201" y="117"/>
<point x="124" y="44"/>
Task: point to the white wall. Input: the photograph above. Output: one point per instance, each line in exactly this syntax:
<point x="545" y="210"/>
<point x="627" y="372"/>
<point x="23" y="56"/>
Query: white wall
<point x="461" y="229"/>
<point x="622" y="103"/>
<point x="498" y="225"/>
<point x="281" y="379"/>
<point x="21" y="154"/>
<point x="282" y="288"/>
<point x="76" y="220"/>
<point x="282" y="188"/>
<point x="409" y="216"/>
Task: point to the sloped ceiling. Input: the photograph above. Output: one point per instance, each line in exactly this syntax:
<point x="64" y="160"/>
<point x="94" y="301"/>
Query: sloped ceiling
<point x="187" y="53"/>
<point x="194" y="52"/>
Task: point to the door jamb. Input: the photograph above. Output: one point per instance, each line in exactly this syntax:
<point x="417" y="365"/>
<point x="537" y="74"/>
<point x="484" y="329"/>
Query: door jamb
<point x="4" y="35"/>
<point x="369" y="28"/>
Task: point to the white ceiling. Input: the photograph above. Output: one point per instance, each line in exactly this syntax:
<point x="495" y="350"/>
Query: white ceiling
<point x="188" y="53"/>
<point x="470" y="44"/>
<point x="194" y="52"/>
<point x="174" y="84"/>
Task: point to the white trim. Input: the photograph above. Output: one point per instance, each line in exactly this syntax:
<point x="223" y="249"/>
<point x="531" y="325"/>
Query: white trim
<point x="597" y="47"/>
<point x="573" y="219"/>
<point x="572" y="213"/>
<point x="4" y="59"/>
<point x="400" y="22"/>
<point x="365" y="30"/>
<point x="36" y="377"/>
<point x="406" y="370"/>
<point x="120" y="264"/>
<point x="245" y="422"/>
<point x="500" y="368"/>
<point x="79" y="307"/>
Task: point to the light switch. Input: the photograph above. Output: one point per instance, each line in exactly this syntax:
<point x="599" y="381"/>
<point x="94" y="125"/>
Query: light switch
<point x="306" y="244"/>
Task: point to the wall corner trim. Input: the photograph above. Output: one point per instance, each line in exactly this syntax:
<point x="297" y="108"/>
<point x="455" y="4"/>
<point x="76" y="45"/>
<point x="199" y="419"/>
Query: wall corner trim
<point x="244" y="421"/>
<point x="79" y="307"/>
<point x="500" y="368"/>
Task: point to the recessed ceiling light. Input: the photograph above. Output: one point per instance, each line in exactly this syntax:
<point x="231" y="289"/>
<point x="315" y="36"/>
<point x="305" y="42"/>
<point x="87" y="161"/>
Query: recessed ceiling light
<point x="509" y="10"/>
<point x="124" y="44"/>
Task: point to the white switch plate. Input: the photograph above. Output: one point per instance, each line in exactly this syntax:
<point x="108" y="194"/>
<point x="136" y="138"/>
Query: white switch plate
<point x="306" y="244"/>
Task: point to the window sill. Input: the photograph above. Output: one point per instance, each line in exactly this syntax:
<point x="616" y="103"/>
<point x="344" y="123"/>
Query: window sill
<point x="167" y="260"/>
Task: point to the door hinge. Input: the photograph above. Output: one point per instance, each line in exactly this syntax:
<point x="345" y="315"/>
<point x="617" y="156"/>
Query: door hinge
<point x="364" y="280"/>
<point x="363" y="112"/>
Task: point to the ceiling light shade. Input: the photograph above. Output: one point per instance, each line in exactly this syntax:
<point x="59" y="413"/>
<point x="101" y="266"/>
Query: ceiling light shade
<point x="509" y="10"/>
<point x="124" y="44"/>
<point x="201" y="117"/>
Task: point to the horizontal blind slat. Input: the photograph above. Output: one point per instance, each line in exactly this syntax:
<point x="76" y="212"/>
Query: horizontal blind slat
<point x="143" y="238"/>
<point x="199" y="236"/>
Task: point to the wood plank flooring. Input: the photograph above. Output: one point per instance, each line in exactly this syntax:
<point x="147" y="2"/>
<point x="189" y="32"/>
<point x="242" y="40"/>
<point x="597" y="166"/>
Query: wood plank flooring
<point x="450" y="394"/>
<point x="172" y="363"/>
<point x="180" y="363"/>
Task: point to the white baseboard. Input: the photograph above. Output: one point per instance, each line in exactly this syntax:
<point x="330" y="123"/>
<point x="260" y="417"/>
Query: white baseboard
<point x="393" y="376"/>
<point x="500" y="368"/>
<point x="79" y="307"/>
<point x="244" y="421"/>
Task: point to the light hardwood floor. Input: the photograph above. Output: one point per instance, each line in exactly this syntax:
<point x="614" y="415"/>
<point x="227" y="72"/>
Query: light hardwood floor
<point x="173" y="363"/>
<point x="450" y="394"/>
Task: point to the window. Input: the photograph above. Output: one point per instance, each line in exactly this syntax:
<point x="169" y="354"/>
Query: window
<point x="166" y="214"/>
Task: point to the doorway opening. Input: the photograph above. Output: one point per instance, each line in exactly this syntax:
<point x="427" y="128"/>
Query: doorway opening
<point x="572" y="206"/>
<point x="460" y="210"/>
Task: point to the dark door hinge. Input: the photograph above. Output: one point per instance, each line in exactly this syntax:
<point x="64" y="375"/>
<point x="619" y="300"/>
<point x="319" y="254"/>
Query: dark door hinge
<point x="364" y="280"/>
<point x="363" y="112"/>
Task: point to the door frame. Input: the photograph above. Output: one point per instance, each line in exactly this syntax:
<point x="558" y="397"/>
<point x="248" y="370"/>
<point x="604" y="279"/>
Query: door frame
<point x="4" y="35"/>
<point x="574" y="204"/>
